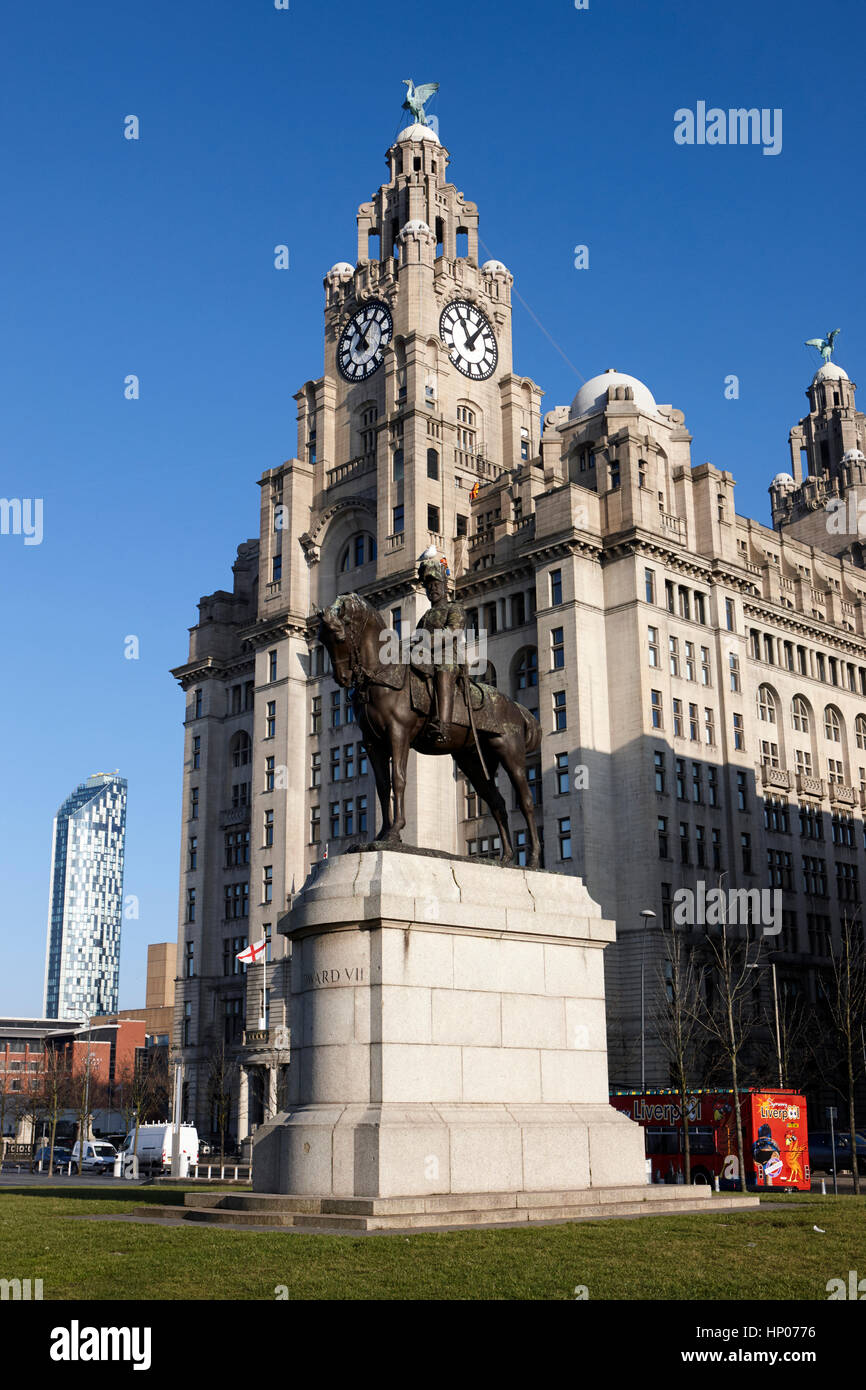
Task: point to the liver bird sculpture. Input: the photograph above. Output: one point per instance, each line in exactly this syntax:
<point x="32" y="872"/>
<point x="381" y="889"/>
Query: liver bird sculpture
<point x="824" y="345"/>
<point x="416" y="97"/>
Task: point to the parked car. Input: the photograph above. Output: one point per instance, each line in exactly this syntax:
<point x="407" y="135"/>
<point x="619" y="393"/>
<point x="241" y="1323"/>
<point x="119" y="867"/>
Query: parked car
<point x="98" y="1157"/>
<point x="821" y="1153"/>
<point x="62" y="1157"/>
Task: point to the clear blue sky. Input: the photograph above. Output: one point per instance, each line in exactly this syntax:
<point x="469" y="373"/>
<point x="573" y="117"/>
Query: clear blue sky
<point x="260" y="127"/>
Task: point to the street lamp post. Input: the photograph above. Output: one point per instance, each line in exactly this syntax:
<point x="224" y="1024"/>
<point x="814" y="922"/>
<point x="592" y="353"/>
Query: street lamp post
<point x="646" y="914"/>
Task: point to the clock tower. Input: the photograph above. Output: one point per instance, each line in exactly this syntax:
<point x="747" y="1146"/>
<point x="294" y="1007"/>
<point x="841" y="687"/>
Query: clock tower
<point x="417" y="410"/>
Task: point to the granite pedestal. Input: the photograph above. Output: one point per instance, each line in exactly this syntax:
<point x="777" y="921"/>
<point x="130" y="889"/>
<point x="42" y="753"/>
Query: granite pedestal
<point x="447" y="1036"/>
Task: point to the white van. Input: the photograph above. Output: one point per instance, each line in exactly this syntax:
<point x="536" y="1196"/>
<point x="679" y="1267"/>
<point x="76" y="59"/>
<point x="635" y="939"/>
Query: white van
<point x="98" y="1157"/>
<point x="155" y="1144"/>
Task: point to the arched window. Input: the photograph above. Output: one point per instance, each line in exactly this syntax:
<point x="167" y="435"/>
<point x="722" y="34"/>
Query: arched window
<point x="832" y="725"/>
<point x="800" y="714"/>
<point x="432" y="464"/>
<point x="360" y="551"/>
<point x="527" y="669"/>
<point x="240" y="749"/>
<point x="766" y="705"/>
<point x="860" y="728"/>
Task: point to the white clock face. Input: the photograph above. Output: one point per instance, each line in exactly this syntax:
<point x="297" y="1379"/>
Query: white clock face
<point x="470" y="340"/>
<point x="360" y="349"/>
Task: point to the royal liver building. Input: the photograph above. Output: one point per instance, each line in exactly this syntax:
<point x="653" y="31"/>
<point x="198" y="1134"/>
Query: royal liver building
<point x="699" y="677"/>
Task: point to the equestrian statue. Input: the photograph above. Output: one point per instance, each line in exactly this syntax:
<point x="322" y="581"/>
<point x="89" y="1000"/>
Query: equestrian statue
<point x="432" y="706"/>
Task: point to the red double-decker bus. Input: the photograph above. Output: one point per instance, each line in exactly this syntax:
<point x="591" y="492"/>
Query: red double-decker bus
<point x="775" y="1136"/>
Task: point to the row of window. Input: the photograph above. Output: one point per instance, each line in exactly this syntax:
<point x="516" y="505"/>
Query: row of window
<point x="348" y="817"/>
<point x="686" y="603"/>
<point x="348" y="761"/>
<point x="689" y="664"/>
<point x="776" y="651"/>
<point x="689" y="725"/>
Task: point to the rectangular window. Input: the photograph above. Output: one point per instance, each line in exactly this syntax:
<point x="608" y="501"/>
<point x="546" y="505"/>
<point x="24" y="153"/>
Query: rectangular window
<point x="656" y="709"/>
<point x="336" y="708"/>
<point x="562" y="779"/>
<point x="769" y="753"/>
<point x="555" y="587"/>
<point x="192" y="854"/>
<point x="187" y="1024"/>
<point x="700" y="846"/>
<point x="680" y="776"/>
<point x="697" y="785"/>
<point x="315" y="769"/>
<point x="316" y="715"/>
<point x="662" y="824"/>
<point x="335" y="764"/>
<point x="674" y="655"/>
<point x="659" y="760"/>
<point x="685" y="853"/>
<point x="349" y="761"/>
<point x="271" y="719"/>
<point x="315" y="825"/>
<point x="653" y="646"/>
<point x="706" y="668"/>
<point x="670" y="597"/>
<point x="739" y="735"/>
<point x="270" y="771"/>
<point x="649" y="580"/>
<point x="533" y="777"/>
<point x="362" y="815"/>
<point x="348" y="817"/>
<point x="199" y="699"/>
<point x="804" y="762"/>
<point x="565" y="837"/>
<point x="678" y="718"/>
<point x="742" y="799"/>
<point x="559" y="711"/>
<point x="268" y="829"/>
<point x="557" y="648"/>
<point x="335" y="820"/>
<point x="685" y="602"/>
<point x="690" y="661"/>
<point x="397" y="519"/>
<point x="433" y="519"/>
<point x="717" y="848"/>
<point x="196" y="751"/>
<point x="701" y="609"/>
<point x="712" y="787"/>
<point x="362" y="760"/>
<point x="193" y="803"/>
<point x="746" y="850"/>
<point x="272" y="666"/>
<point x="276" y="569"/>
<point x="190" y="904"/>
<point x="729" y="615"/>
<point x="709" y="728"/>
<point x="397" y="621"/>
<point x="694" y="732"/>
<point x="268" y="883"/>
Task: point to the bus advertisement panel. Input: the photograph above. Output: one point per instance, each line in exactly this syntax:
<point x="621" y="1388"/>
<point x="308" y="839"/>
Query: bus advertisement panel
<point x="775" y="1136"/>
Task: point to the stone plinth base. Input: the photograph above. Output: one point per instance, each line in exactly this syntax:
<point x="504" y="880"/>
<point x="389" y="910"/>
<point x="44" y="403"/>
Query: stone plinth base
<point x="331" y="1215"/>
<point x="447" y="1036"/>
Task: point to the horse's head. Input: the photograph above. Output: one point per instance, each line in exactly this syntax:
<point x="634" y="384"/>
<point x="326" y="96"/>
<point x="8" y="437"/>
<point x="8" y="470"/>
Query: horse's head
<point x="342" y="628"/>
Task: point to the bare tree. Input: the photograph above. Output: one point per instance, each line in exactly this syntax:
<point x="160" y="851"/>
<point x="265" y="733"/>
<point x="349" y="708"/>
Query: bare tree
<point x="223" y="1075"/>
<point x="676" y="1022"/>
<point x="56" y="1093"/>
<point x="724" y="1010"/>
<point x="843" y="990"/>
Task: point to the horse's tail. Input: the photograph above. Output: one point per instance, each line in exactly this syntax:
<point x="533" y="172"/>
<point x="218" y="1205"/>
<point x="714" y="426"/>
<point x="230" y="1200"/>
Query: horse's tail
<point x="531" y="730"/>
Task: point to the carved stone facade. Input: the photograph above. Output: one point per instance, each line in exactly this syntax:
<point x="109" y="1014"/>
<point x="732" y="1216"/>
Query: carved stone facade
<point x="683" y="660"/>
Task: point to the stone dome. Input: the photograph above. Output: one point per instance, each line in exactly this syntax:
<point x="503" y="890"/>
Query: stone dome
<point x="415" y="225"/>
<point x="592" y="396"/>
<point x="783" y="480"/>
<point x="418" y="132"/>
<point x="341" y="270"/>
<point x="830" y="371"/>
<point x="494" y="268"/>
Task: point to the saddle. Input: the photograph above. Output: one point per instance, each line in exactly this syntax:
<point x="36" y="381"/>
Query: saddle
<point x="483" y="703"/>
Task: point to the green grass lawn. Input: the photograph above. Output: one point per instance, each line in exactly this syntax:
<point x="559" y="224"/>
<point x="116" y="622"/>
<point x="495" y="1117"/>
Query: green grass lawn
<point x="769" y="1254"/>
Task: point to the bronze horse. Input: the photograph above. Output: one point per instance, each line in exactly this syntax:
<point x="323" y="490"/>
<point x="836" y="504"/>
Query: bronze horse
<point x="350" y="630"/>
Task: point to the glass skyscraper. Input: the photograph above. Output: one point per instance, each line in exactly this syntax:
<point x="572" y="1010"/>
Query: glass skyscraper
<point x="86" y="905"/>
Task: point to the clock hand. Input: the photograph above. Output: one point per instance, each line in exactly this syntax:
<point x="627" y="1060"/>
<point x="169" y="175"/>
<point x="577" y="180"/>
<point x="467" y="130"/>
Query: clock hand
<point x="470" y="342"/>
